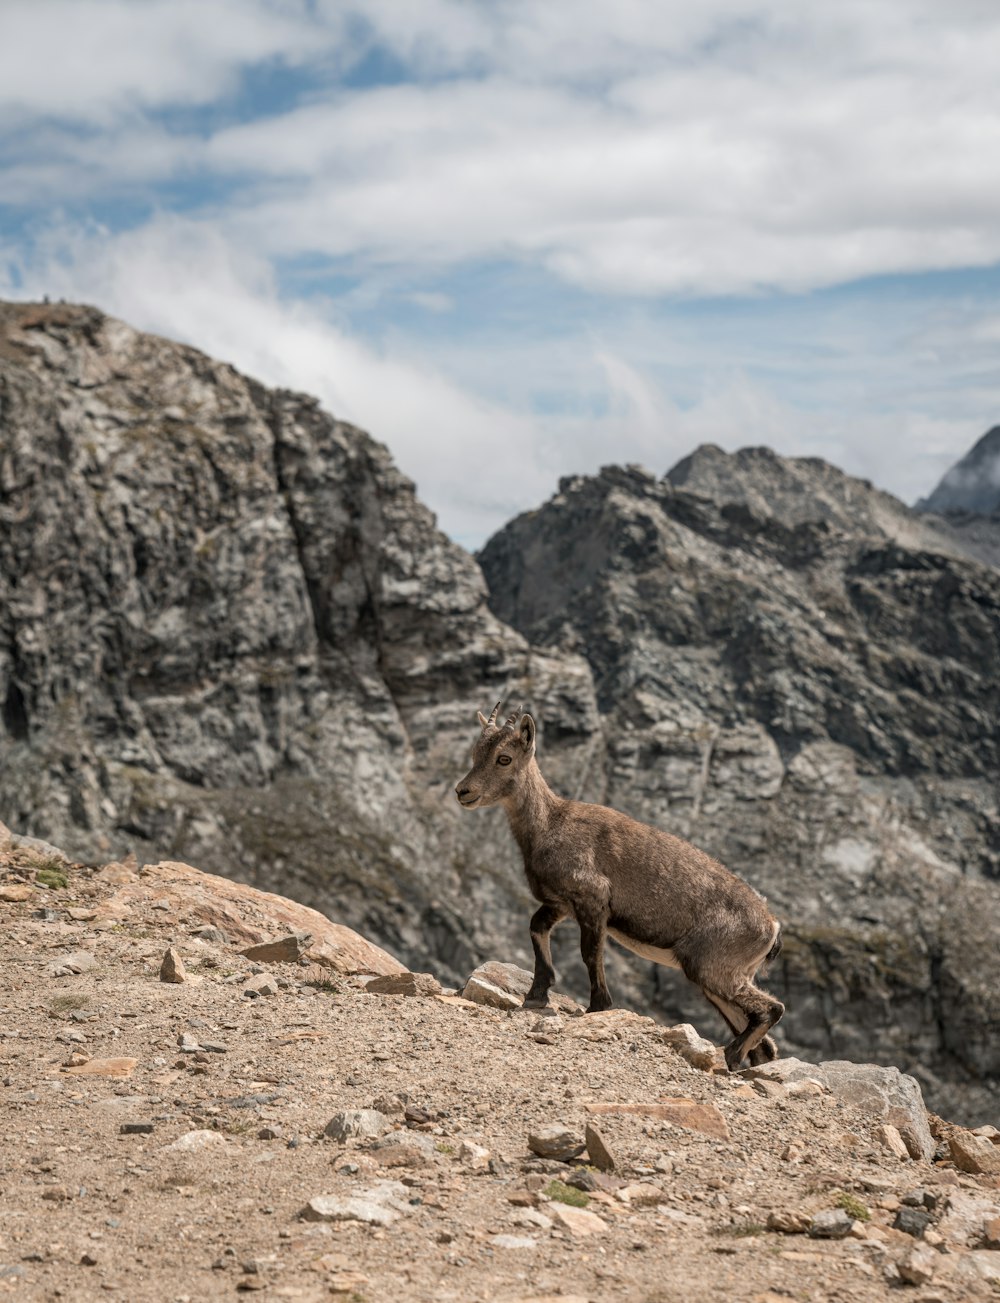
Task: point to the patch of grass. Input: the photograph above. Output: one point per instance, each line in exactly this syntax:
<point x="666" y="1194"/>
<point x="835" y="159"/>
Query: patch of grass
<point x="852" y="1205"/>
<point x="235" y="1126"/>
<point x="51" y="876"/>
<point x="443" y="1147"/>
<point x="740" y="1230"/>
<point x="323" y="984"/>
<point x="560" y="1192"/>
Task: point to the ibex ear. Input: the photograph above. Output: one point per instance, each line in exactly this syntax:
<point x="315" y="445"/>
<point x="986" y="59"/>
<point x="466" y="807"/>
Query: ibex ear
<point x="527" y="733"/>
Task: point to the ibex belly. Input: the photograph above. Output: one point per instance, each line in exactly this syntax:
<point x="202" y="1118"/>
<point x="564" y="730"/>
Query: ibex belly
<point x="658" y="954"/>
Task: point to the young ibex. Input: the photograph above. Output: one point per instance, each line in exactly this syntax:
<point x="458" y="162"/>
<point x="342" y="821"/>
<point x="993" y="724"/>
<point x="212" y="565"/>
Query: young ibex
<point x="657" y="895"/>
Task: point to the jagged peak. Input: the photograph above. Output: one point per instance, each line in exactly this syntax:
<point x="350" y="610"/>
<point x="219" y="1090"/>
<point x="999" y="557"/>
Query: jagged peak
<point x="973" y="483"/>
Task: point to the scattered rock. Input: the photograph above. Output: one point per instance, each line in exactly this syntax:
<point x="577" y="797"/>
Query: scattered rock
<point x="136" y="1128"/>
<point x="830" y="1224"/>
<point x="789" y="1221"/>
<point x="913" y="1221"/>
<point x="889" y="1137"/>
<point x="917" y="1266"/>
<point x="580" y="1223"/>
<point x="15" y="893"/>
<point x="694" y="1049"/>
<point x="555" y="1141"/>
<point x="117" y="1069"/>
<point x="71" y="965"/>
<point x="357" y="1124"/>
<point x="285" y="950"/>
<point x="598" y="1150"/>
<point x="974" y="1154"/>
<point x="705" y="1118"/>
<point x="261" y="984"/>
<point x="57" y="1193"/>
<point x="380" y="1205"/>
<point x="405" y="984"/>
<point x="513" y="1241"/>
<point x="172" y="968"/>
<point x="504" y="986"/>
<point x="195" y="1142"/>
<point x="475" y="1156"/>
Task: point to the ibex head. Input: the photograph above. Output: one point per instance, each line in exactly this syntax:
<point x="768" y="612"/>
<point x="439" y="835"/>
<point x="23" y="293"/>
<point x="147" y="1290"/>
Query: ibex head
<point x="499" y="757"/>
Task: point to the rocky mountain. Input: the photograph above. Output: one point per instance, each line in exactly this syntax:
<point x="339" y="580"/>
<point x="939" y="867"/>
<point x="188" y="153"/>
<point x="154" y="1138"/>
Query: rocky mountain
<point x="231" y="634"/>
<point x="973" y="483"/>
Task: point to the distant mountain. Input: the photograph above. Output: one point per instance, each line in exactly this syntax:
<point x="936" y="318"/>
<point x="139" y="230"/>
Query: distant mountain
<point x="231" y="633"/>
<point x="972" y="484"/>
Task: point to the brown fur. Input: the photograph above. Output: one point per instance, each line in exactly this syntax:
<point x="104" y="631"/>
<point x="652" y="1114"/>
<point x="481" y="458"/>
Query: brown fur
<point x="612" y="873"/>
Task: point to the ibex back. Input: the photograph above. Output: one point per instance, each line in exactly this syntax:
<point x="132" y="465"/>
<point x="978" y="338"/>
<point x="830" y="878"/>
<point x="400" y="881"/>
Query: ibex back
<point x="655" y="894"/>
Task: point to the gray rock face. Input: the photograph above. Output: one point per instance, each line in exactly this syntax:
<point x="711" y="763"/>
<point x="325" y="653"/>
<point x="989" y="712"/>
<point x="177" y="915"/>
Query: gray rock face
<point x="801" y="676"/>
<point x="231" y="634"/>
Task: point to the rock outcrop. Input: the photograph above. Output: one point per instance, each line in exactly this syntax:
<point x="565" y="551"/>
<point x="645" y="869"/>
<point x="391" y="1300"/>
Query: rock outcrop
<point x="231" y="635"/>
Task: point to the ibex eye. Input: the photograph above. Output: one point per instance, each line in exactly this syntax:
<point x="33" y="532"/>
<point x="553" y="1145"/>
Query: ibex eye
<point x="503" y="760"/>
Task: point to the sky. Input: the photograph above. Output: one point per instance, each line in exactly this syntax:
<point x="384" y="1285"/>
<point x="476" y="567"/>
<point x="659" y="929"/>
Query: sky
<point x="518" y="240"/>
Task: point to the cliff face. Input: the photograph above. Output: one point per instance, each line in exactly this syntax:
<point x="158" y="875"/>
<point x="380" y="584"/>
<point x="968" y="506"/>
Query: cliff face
<point x="230" y="631"/>
<point x="231" y="634"/>
<point x="973" y="483"/>
<point x="801" y="676"/>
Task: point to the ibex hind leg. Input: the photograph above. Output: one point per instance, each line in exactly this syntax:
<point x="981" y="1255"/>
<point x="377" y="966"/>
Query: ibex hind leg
<point x="760" y="1012"/>
<point x="736" y="1021"/>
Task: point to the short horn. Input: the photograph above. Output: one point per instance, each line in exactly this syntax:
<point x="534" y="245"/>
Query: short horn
<point x="511" y="721"/>
<point x="488" y="723"/>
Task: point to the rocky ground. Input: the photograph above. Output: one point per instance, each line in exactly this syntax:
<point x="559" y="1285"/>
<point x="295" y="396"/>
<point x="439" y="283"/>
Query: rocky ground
<point x="182" y="1120"/>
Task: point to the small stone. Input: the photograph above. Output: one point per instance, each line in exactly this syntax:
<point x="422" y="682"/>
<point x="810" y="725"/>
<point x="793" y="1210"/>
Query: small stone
<point x="210" y="934"/>
<point x="889" y="1137"/>
<point x="789" y="1221"/>
<point x="172" y="967"/>
<point x="793" y="1153"/>
<point x="830" y="1224"/>
<point x="88" y="1259"/>
<point x="285" y="950"/>
<point x="76" y="1060"/>
<point x="357" y="1124"/>
<point x="694" y="1049"/>
<point x="270" y="1133"/>
<point x="261" y="984"/>
<point x="479" y="991"/>
<point x="390" y="1105"/>
<point x="917" y="1266"/>
<point x="475" y="1156"/>
<point x="116" y="1069"/>
<point x="807" y="1088"/>
<point x="71" y="965"/>
<point x="381" y="1205"/>
<point x="580" y="1223"/>
<point x="598" y="1150"/>
<point x="15" y="893"/>
<point x="57" y="1193"/>
<point x="193" y="1142"/>
<point x="405" y="984"/>
<point x="991" y="1234"/>
<point x="914" y="1221"/>
<point x="974" y="1154"/>
<point x="555" y="1141"/>
<point x="513" y="1241"/>
<point x="915" y="1199"/>
<point x="641" y="1195"/>
<point x="135" y="1129"/>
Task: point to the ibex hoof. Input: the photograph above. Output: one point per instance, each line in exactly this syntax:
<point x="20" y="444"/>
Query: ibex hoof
<point x="536" y="1002"/>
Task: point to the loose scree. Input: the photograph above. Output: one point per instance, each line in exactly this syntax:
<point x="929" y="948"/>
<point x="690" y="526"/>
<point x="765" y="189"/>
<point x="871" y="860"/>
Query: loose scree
<point x="657" y="895"/>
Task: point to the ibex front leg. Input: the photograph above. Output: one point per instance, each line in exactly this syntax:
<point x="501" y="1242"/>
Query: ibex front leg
<point x="593" y="930"/>
<point x="542" y="923"/>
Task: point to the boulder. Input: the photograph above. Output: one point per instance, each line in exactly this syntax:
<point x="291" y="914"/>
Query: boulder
<point x="884" y="1093"/>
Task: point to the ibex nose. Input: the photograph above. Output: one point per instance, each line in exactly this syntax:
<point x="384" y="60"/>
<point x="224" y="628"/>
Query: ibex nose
<point x="461" y="791"/>
<point x="465" y="795"/>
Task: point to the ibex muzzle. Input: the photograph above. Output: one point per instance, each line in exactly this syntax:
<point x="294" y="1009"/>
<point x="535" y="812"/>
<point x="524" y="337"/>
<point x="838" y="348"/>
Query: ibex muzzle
<point x="657" y="895"/>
